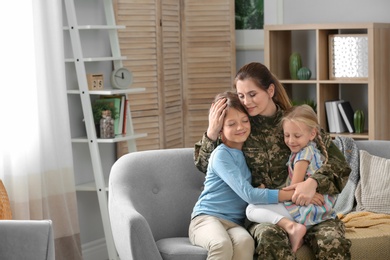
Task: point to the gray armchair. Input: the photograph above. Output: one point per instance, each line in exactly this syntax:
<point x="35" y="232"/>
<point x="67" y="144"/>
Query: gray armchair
<point x="151" y="196"/>
<point x="26" y="240"/>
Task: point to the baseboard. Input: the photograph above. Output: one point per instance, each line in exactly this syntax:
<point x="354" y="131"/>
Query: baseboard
<point x="95" y="250"/>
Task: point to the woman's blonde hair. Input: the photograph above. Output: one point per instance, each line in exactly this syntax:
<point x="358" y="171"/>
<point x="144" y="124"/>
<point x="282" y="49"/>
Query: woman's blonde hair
<point x="263" y="78"/>
<point x="306" y="115"/>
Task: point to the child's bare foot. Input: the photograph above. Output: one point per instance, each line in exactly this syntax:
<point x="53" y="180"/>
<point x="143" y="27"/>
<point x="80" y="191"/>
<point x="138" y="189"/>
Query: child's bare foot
<point x="296" y="234"/>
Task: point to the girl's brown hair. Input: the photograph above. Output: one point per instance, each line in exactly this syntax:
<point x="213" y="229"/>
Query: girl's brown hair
<point x="306" y="115"/>
<point x="232" y="101"/>
<point x="263" y="78"/>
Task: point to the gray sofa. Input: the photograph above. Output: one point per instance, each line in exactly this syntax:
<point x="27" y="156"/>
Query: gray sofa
<point x="26" y="240"/>
<point x="152" y="194"/>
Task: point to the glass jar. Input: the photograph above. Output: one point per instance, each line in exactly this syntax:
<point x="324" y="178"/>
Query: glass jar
<point x="107" y="125"/>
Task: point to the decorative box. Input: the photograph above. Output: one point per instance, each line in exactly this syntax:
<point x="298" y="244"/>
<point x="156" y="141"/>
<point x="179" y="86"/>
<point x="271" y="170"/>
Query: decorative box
<point x="95" y="81"/>
<point x="348" y="56"/>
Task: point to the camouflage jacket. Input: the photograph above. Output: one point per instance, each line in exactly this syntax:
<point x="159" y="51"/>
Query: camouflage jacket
<point x="267" y="154"/>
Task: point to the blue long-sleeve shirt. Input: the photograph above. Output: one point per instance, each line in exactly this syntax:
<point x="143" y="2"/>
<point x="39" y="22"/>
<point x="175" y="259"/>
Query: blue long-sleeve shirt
<point x="228" y="188"/>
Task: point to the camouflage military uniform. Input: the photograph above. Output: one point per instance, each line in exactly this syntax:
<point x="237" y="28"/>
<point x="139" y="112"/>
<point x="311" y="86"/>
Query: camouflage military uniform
<point x="266" y="155"/>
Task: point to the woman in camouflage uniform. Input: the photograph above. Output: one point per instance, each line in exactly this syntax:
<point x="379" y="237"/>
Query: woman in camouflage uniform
<point x="266" y="154"/>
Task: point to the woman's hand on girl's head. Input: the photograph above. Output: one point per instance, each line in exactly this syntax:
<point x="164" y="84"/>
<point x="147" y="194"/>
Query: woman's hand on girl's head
<point x="216" y="116"/>
<point x="304" y="191"/>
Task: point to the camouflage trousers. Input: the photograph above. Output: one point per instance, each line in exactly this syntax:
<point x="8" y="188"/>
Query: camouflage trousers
<point x="326" y="239"/>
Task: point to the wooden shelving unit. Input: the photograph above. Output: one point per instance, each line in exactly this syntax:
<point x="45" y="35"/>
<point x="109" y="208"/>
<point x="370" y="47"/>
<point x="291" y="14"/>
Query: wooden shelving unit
<point x="372" y="94"/>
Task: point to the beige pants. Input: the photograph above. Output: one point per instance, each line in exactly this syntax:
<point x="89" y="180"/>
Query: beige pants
<point x="223" y="239"/>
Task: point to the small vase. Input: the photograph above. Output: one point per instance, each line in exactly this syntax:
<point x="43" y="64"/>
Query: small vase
<point x="358" y="121"/>
<point x="106" y="125"/>
<point x="304" y="73"/>
<point x="295" y="64"/>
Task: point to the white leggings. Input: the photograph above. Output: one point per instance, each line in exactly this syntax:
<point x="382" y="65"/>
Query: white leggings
<point x="267" y="213"/>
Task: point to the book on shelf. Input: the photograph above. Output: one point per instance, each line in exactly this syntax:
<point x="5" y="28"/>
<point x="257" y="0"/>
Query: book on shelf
<point x="126" y="112"/>
<point x="340" y="125"/>
<point x="329" y="117"/>
<point x="346" y="112"/>
<point x="335" y="121"/>
<point x="121" y="115"/>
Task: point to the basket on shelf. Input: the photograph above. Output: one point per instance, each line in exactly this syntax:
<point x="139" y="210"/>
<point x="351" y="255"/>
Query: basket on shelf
<point x="5" y="207"/>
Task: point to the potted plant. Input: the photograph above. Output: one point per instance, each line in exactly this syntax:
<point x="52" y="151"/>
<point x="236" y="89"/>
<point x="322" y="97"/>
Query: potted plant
<point x="309" y="102"/>
<point x="97" y="109"/>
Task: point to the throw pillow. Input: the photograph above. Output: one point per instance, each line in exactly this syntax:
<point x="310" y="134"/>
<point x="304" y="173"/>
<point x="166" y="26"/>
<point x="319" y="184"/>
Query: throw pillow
<point x="373" y="190"/>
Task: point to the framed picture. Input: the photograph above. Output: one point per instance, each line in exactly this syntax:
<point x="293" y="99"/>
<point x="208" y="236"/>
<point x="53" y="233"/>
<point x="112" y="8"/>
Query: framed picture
<point x="250" y="20"/>
<point x="348" y="56"/>
<point x="249" y="14"/>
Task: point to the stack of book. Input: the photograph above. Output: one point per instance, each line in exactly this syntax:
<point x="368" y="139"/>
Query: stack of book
<point x="339" y="114"/>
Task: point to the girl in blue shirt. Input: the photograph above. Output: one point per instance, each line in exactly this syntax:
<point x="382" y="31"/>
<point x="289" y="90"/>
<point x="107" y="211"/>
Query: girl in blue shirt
<point x="219" y="214"/>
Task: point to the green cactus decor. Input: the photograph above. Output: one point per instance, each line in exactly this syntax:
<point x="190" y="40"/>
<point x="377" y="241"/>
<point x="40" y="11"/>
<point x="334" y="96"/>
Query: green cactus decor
<point x="358" y="121"/>
<point x="295" y="64"/>
<point x="304" y="73"/>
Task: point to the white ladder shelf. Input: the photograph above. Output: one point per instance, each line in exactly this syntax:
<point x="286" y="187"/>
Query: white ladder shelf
<point x="80" y="61"/>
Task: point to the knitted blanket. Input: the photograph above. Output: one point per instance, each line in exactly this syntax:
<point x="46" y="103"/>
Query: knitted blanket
<point x="346" y="199"/>
<point x="364" y="219"/>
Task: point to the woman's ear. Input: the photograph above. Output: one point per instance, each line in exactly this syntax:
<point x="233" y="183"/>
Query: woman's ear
<point x="271" y="90"/>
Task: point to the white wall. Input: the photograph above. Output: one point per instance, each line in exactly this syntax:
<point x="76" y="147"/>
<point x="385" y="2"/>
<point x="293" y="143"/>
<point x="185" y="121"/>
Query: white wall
<point x="335" y="11"/>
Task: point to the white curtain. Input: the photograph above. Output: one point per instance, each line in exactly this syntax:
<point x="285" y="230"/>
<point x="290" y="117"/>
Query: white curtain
<point x="35" y="149"/>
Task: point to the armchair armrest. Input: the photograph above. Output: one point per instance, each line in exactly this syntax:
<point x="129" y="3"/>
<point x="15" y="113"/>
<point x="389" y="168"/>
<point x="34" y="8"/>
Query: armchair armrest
<point x="26" y="239"/>
<point x="132" y="234"/>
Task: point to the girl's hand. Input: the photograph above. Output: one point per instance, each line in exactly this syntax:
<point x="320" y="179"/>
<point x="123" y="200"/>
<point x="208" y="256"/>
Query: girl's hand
<point x="304" y="191"/>
<point x="318" y="199"/>
<point x="216" y="116"/>
<point x="261" y="186"/>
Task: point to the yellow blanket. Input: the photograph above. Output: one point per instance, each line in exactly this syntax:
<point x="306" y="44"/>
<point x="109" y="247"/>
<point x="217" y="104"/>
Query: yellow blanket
<point x="364" y="219"/>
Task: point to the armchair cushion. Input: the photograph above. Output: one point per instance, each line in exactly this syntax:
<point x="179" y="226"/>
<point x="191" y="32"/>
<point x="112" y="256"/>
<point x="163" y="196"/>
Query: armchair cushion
<point x="180" y="248"/>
